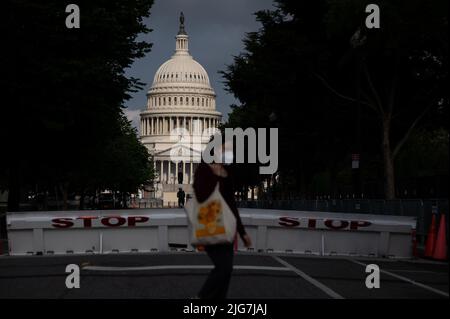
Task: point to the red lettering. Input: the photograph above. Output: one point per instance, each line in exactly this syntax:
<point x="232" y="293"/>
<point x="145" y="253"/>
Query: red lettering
<point x="289" y="221"/>
<point x="62" y="222"/>
<point x="132" y="220"/>
<point x="355" y="224"/>
<point x="330" y="224"/>
<point x="87" y="220"/>
<point x="311" y="223"/>
<point x="107" y="221"/>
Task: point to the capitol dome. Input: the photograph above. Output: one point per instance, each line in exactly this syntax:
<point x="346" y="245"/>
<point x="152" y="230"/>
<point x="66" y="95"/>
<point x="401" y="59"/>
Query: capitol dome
<point x="181" y="107"/>
<point x="181" y="70"/>
<point x="181" y="82"/>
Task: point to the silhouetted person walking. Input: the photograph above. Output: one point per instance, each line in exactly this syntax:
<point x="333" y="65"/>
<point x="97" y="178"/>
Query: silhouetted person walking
<point x="205" y="180"/>
<point x="181" y="195"/>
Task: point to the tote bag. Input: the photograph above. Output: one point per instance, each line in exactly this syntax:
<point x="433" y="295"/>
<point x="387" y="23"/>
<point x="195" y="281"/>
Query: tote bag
<point x="211" y="221"/>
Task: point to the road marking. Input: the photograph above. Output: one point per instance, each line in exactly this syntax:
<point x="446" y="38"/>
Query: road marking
<point x="440" y="292"/>
<point x="418" y="271"/>
<point x="169" y="267"/>
<point x="308" y="278"/>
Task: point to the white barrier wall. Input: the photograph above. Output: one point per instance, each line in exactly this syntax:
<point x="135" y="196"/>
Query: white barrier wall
<point x="146" y="230"/>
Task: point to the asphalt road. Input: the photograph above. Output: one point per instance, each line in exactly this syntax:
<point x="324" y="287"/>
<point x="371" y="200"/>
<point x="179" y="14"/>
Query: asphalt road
<point x="179" y="275"/>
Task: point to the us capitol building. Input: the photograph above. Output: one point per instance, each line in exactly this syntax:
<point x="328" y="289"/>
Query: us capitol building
<point x="180" y="97"/>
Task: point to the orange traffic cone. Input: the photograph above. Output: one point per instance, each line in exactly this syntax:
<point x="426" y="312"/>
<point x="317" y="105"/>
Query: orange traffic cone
<point x="431" y="237"/>
<point x="440" y="250"/>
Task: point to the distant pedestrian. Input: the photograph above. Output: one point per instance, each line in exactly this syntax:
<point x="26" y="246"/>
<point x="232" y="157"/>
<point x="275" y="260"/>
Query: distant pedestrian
<point x="181" y="196"/>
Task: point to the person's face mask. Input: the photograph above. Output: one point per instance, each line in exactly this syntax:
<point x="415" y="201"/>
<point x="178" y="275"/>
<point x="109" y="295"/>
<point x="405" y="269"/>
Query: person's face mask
<point x="225" y="157"/>
<point x="228" y="157"/>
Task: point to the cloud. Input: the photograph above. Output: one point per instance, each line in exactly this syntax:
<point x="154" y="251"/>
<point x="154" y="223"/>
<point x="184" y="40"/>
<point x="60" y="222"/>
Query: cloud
<point x="133" y="116"/>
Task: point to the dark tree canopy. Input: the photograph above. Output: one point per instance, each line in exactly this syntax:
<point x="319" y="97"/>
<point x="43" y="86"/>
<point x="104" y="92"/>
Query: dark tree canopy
<point x="334" y="87"/>
<point x="63" y="126"/>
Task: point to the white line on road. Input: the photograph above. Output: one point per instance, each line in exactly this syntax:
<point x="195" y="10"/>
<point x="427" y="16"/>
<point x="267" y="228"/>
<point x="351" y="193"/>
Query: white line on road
<point x="418" y="271"/>
<point x="169" y="267"/>
<point x="440" y="292"/>
<point x="311" y="280"/>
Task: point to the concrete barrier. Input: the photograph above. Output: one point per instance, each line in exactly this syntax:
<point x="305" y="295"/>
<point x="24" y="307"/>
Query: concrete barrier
<point x="147" y="230"/>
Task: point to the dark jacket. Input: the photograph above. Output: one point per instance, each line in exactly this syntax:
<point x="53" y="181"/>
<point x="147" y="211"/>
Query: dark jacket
<point x="204" y="183"/>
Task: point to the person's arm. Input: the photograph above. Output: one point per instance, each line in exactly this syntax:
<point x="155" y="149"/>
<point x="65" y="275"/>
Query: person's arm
<point x="228" y="194"/>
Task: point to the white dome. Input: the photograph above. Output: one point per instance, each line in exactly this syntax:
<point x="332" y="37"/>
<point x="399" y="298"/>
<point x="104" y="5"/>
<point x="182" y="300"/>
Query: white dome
<point x="181" y="69"/>
<point x="181" y="83"/>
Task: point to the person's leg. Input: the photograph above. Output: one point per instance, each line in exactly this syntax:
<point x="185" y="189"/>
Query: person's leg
<point x="217" y="283"/>
<point x="225" y="268"/>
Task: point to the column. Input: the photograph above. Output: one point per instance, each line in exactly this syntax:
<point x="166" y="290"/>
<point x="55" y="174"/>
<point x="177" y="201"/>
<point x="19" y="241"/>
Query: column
<point x="168" y="171"/>
<point x="191" y="173"/>
<point x="167" y="123"/>
<point x="170" y="124"/>
<point x="184" y="171"/>
<point x="178" y="121"/>
<point x="161" y="171"/>
<point x="176" y="172"/>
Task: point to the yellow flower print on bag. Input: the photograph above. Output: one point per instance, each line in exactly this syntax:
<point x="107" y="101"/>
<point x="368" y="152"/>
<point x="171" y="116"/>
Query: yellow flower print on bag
<point x="210" y="216"/>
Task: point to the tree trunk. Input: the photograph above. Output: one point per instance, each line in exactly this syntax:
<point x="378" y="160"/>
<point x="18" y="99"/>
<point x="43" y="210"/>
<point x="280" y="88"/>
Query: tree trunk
<point x="14" y="188"/>
<point x="388" y="161"/>
<point x="65" y="192"/>
<point x="81" y="204"/>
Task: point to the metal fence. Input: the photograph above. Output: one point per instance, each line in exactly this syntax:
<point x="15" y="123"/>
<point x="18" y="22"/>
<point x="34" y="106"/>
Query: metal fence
<point x="420" y="208"/>
<point x="150" y="203"/>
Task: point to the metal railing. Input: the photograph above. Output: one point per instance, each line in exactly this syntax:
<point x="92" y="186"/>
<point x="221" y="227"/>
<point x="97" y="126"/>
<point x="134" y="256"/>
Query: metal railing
<point x="150" y="203"/>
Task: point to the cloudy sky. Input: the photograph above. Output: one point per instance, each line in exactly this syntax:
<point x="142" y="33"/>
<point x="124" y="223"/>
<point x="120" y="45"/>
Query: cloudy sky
<point x="215" y="28"/>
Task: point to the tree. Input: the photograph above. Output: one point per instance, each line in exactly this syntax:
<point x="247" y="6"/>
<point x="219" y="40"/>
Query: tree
<point x="334" y="86"/>
<point x="403" y="67"/>
<point x="65" y="90"/>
